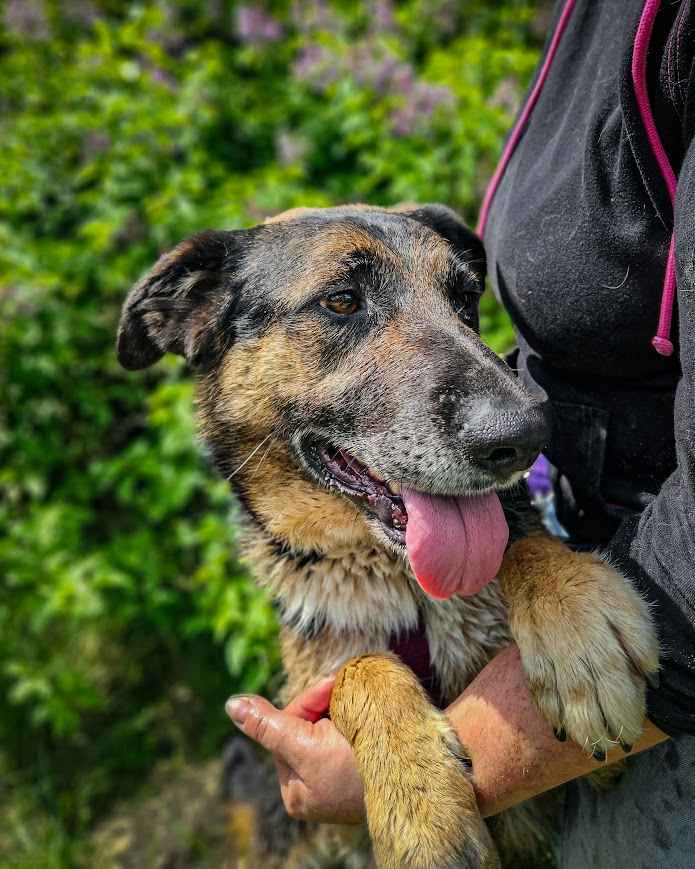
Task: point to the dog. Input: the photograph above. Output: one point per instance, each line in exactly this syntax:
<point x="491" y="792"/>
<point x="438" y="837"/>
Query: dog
<point x="376" y="447"/>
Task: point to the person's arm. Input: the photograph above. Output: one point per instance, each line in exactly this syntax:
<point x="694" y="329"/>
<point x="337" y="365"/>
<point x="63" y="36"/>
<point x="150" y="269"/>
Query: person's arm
<point x="514" y="751"/>
<point x="657" y="550"/>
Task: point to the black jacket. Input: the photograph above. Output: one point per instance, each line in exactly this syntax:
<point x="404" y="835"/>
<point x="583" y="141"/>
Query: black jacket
<point x="577" y="240"/>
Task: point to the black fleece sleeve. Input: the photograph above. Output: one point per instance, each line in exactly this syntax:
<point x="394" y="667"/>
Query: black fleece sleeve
<point x="657" y="550"/>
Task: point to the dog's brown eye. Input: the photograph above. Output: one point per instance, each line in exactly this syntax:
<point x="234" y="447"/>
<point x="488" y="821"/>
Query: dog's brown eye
<point x="343" y="303"/>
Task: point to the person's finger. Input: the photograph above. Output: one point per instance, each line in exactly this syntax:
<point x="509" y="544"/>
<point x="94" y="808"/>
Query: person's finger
<point x="280" y="733"/>
<point x="313" y="703"/>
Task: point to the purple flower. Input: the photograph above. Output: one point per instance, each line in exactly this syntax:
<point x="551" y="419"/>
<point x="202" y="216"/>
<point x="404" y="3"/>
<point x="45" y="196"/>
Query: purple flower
<point x="95" y="143"/>
<point x="429" y="97"/>
<point x="82" y="12"/>
<point x="403" y="120"/>
<point x="419" y="108"/>
<point x="26" y="18"/>
<point x="372" y="66"/>
<point x="290" y="149"/>
<point x="316" y="66"/>
<point x="256" y="27"/>
<point x="163" y="78"/>
<point x="507" y="95"/>
<point x="403" y="80"/>
<point x="308" y="16"/>
<point x="446" y="17"/>
<point x="382" y="16"/>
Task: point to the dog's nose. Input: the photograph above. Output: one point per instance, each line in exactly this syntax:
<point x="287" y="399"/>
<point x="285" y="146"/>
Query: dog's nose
<point x="507" y="439"/>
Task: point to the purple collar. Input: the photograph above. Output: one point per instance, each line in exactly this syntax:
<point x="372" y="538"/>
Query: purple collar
<point x="413" y="649"/>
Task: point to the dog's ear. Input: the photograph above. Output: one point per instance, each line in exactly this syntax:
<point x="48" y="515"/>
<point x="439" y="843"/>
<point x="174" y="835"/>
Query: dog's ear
<point x="448" y="224"/>
<point x="183" y="303"/>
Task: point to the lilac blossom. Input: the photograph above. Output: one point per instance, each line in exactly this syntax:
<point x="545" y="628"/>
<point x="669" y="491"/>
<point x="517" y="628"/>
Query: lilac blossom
<point x="507" y="95"/>
<point x="255" y="26"/>
<point x="445" y="17"/>
<point x="382" y="16"/>
<point x="381" y="70"/>
<point x="95" y="142"/>
<point x="311" y="15"/>
<point x="163" y="78"/>
<point x="82" y="12"/>
<point x="27" y="18"/>
<point x="316" y="66"/>
<point x="424" y="101"/>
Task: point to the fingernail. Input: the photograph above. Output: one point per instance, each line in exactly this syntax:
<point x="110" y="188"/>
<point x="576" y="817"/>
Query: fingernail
<point x="238" y="708"/>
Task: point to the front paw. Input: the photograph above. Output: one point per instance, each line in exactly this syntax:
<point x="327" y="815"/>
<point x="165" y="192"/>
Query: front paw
<point x="587" y="642"/>
<point x="421" y="807"/>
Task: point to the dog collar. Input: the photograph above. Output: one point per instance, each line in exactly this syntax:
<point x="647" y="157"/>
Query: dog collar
<point x="413" y="649"/>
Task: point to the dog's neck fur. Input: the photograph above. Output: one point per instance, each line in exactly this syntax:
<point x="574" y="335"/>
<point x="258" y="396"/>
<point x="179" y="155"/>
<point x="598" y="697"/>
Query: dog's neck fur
<point x="357" y="599"/>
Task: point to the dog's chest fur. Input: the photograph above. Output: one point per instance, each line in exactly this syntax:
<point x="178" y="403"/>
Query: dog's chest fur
<point x="360" y="600"/>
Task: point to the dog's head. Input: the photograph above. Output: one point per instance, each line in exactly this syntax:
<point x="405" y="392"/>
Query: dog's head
<point x="341" y="379"/>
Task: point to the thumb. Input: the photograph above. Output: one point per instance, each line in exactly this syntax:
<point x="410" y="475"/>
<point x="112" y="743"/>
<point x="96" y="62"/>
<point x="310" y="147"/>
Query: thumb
<point x="282" y="734"/>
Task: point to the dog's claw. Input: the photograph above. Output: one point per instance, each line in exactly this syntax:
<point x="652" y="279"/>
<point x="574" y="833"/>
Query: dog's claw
<point x="599" y="755"/>
<point x="586" y="671"/>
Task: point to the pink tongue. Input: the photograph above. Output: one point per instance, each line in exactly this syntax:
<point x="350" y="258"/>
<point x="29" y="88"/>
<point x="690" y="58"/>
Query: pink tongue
<point x="455" y="545"/>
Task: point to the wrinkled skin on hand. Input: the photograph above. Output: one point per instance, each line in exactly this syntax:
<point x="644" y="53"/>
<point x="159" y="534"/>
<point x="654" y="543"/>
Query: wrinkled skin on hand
<point x="316" y="767"/>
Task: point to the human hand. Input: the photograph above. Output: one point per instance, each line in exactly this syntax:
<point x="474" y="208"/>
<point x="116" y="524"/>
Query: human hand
<point x="316" y="767"/>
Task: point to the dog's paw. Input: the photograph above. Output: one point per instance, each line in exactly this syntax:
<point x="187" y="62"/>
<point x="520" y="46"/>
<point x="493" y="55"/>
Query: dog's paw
<point x="587" y="643"/>
<point x="421" y="807"/>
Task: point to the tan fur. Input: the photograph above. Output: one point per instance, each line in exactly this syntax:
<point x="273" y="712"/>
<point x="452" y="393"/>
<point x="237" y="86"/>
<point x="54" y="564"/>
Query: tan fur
<point x="421" y="806"/>
<point x="573" y="617"/>
<point x="242" y="831"/>
<point x="292" y="510"/>
<point x="325" y="258"/>
<point x="303" y="211"/>
<point x="364" y="596"/>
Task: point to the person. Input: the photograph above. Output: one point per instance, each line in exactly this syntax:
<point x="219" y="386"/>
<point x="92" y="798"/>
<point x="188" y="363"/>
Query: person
<point x="589" y="227"/>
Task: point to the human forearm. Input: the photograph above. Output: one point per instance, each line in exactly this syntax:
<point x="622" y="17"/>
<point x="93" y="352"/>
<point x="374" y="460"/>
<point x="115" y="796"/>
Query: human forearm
<point x="515" y="754"/>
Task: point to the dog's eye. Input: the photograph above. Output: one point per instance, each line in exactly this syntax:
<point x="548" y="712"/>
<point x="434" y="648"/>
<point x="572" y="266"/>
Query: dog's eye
<point x="344" y="303"/>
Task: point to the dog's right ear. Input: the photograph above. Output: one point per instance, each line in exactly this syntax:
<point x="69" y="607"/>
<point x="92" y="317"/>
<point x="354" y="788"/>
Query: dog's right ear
<point x="184" y="303"/>
<point x="450" y="226"/>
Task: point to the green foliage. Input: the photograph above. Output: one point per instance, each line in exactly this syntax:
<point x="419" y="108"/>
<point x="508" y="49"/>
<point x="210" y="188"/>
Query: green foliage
<point x="125" y="617"/>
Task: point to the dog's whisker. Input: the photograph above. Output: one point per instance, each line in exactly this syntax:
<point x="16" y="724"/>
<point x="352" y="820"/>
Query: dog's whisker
<point x="263" y="458"/>
<point x="250" y="455"/>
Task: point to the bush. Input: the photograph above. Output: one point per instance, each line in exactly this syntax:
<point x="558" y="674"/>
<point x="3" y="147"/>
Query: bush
<point x="125" y="618"/>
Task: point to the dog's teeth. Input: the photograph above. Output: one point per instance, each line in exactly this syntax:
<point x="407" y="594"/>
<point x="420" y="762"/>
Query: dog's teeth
<point x="395" y="488"/>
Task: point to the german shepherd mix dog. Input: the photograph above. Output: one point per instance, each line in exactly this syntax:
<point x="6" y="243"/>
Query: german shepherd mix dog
<point x="374" y="443"/>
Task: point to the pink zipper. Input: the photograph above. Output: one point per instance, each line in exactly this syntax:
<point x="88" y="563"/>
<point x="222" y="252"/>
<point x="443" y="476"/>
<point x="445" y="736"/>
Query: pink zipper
<point x="662" y="340"/>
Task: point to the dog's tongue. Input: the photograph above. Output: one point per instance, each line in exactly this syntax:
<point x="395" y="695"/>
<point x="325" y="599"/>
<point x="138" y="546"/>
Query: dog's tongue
<point x="455" y="545"/>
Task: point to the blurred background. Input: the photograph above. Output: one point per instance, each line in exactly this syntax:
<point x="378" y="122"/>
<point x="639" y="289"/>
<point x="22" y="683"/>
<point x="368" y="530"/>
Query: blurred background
<point x="125" y="618"/>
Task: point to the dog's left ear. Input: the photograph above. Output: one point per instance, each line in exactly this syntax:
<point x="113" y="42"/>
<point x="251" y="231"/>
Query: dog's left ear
<point x="182" y="304"/>
<point x="448" y="224"/>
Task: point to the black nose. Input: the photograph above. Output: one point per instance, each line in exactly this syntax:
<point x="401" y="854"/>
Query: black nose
<point x="506" y="439"/>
